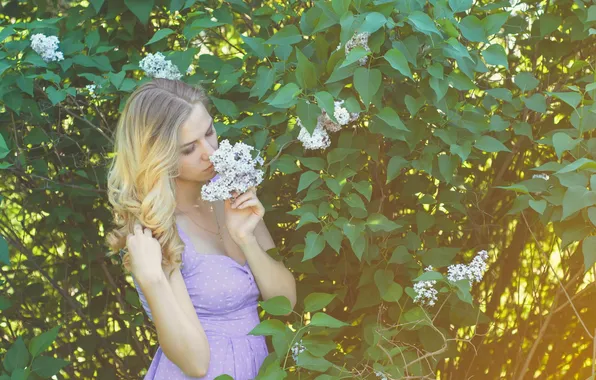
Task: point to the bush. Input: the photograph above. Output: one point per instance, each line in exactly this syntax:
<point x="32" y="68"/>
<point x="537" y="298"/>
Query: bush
<point x="437" y="123"/>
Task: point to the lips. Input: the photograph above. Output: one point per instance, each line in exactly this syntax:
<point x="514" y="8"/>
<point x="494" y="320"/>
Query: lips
<point x="209" y="168"/>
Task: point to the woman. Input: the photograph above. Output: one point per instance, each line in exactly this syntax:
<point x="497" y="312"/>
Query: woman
<point x="199" y="267"/>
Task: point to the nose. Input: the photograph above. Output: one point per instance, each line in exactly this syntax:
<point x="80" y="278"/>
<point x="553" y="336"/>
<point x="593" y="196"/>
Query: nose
<point x="208" y="150"/>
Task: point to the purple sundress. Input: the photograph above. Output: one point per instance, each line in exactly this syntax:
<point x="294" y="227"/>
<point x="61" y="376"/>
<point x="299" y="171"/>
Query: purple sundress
<point x="224" y="294"/>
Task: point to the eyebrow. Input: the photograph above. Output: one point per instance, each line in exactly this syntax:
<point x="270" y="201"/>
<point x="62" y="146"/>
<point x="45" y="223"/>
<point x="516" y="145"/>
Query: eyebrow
<point x="188" y="143"/>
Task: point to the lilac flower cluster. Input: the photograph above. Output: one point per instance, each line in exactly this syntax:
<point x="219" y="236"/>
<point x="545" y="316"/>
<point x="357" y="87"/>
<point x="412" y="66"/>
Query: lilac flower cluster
<point x="472" y="272"/>
<point x="236" y="171"/>
<point x="47" y="47"/>
<point x="543" y="176"/>
<point x="157" y="66"/>
<point x="297" y="348"/>
<point x="360" y="39"/>
<point x="320" y="137"/>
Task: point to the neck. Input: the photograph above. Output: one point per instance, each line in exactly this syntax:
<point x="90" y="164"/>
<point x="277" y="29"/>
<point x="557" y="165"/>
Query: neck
<point x="188" y="197"/>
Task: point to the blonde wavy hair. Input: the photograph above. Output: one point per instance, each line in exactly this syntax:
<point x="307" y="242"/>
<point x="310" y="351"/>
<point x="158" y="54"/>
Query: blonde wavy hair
<point x="141" y="176"/>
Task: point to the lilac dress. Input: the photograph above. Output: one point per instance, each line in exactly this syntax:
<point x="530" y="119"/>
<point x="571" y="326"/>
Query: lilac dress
<point x="224" y="294"/>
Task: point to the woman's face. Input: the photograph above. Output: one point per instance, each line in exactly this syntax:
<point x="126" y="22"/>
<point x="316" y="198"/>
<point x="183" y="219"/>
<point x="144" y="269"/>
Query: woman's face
<point x="197" y="141"/>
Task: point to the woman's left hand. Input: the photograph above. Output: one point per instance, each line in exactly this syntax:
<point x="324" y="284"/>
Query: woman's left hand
<point x="243" y="215"/>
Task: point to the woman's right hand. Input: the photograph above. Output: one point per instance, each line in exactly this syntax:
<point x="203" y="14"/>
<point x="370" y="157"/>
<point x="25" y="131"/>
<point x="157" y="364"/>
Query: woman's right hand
<point x="144" y="256"/>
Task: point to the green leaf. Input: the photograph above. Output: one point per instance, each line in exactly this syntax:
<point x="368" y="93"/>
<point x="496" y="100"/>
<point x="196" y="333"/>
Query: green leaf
<point x="306" y="360"/>
<point x="47" y="367"/>
<point x="4" y="256"/>
<point x="536" y="102"/>
<point x="5" y="303"/>
<point x="430" y="275"/>
<point x="20" y="374"/>
<point x="372" y="22"/>
<point x="308" y="114"/>
<point x="367" y="83"/>
<point x="473" y="29"/>
<point x="490" y="144"/>
<point x="571" y="98"/>
<point x="285" y="96"/>
<point x="278" y="305"/>
<point x="306" y="179"/>
<point x="495" y="55"/>
<point x="354" y="200"/>
<point x="581" y="164"/>
<point x="389" y="116"/>
<point x="396" y="164"/>
<point x="269" y="327"/>
<point x="493" y="22"/>
<point x="364" y="188"/>
<point x="317" y="301"/>
<point x="423" y="23"/>
<point x="140" y="8"/>
<point x="117" y="79"/>
<point x="379" y="222"/>
<point x="315" y="242"/>
<point x="258" y="46"/>
<point x="333" y="236"/>
<point x="324" y="320"/>
<point x="55" y="96"/>
<point x="563" y="142"/>
<point x="225" y="106"/>
<point x="517" y="188"/>
<point x="574" y="200"/>
<point x="263" y="82"/>
<point x="326" y="102"/>
<point x="43" y="341"/>
<point x="460" y="5"/>
<point x="398" y="61"/>
<point x="288" y="35"/>
<point x="538" y="206"/>
<point x="159" y="35"/>
<point x="17" y="356"/>
<point x="354" y="55"/>
<point x="306" y="72"/>
<point x="354" y="232"/>
<point x="525" y="81"/>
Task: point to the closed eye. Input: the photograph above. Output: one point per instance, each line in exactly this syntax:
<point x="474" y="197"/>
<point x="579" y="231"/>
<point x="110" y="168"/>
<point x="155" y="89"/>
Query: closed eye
<point x="192" y="147"/>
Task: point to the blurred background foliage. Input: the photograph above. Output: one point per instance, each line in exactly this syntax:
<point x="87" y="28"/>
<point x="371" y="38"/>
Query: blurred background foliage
<point x="461" y="104"/>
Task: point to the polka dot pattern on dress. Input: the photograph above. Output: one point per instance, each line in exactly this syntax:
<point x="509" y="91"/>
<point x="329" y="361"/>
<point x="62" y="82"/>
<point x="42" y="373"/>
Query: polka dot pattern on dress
<point x="225" y="297"/>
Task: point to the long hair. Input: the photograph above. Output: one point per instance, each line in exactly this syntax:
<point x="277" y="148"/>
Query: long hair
<point x="140" y="180"/>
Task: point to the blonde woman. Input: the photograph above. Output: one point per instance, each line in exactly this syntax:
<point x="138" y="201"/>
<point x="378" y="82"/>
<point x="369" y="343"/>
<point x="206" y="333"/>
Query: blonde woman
<point x="199" y="267"/>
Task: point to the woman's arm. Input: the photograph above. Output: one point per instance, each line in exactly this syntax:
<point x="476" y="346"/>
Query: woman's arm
<point x="179" y="332"/>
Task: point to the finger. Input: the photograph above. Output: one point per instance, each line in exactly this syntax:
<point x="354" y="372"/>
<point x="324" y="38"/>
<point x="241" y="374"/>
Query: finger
<point x="148" y="232"/>
<point x="138" y="229"/>
<point x="245" y="196"/>
<point x="250" y="202"/>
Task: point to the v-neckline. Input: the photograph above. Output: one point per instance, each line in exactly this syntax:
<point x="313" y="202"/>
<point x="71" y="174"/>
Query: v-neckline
<point x="181" y="231"/>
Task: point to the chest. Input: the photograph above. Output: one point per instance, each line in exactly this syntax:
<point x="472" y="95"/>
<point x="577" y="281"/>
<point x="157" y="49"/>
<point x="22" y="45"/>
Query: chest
<point x="207" y="241"/>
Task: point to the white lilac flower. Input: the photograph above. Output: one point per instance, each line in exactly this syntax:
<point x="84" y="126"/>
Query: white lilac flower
<point x="425" y="291"/>
<point x="297" y="348"/>
<point x="319" y="139"/>
<point x="190" y="69"/>
<point x="157" y="66"/>
<point x="91" y="88"/>
<point x="47" y="47"/>
<point x="341" y="114"/>
<point x="543" y="176"/>
<point x="381" y="375"/>
<point x="426" y="294"/>
<point x="472" y="272"/>
<point x="235" y="169"/>
<point x="360" y="39"/>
